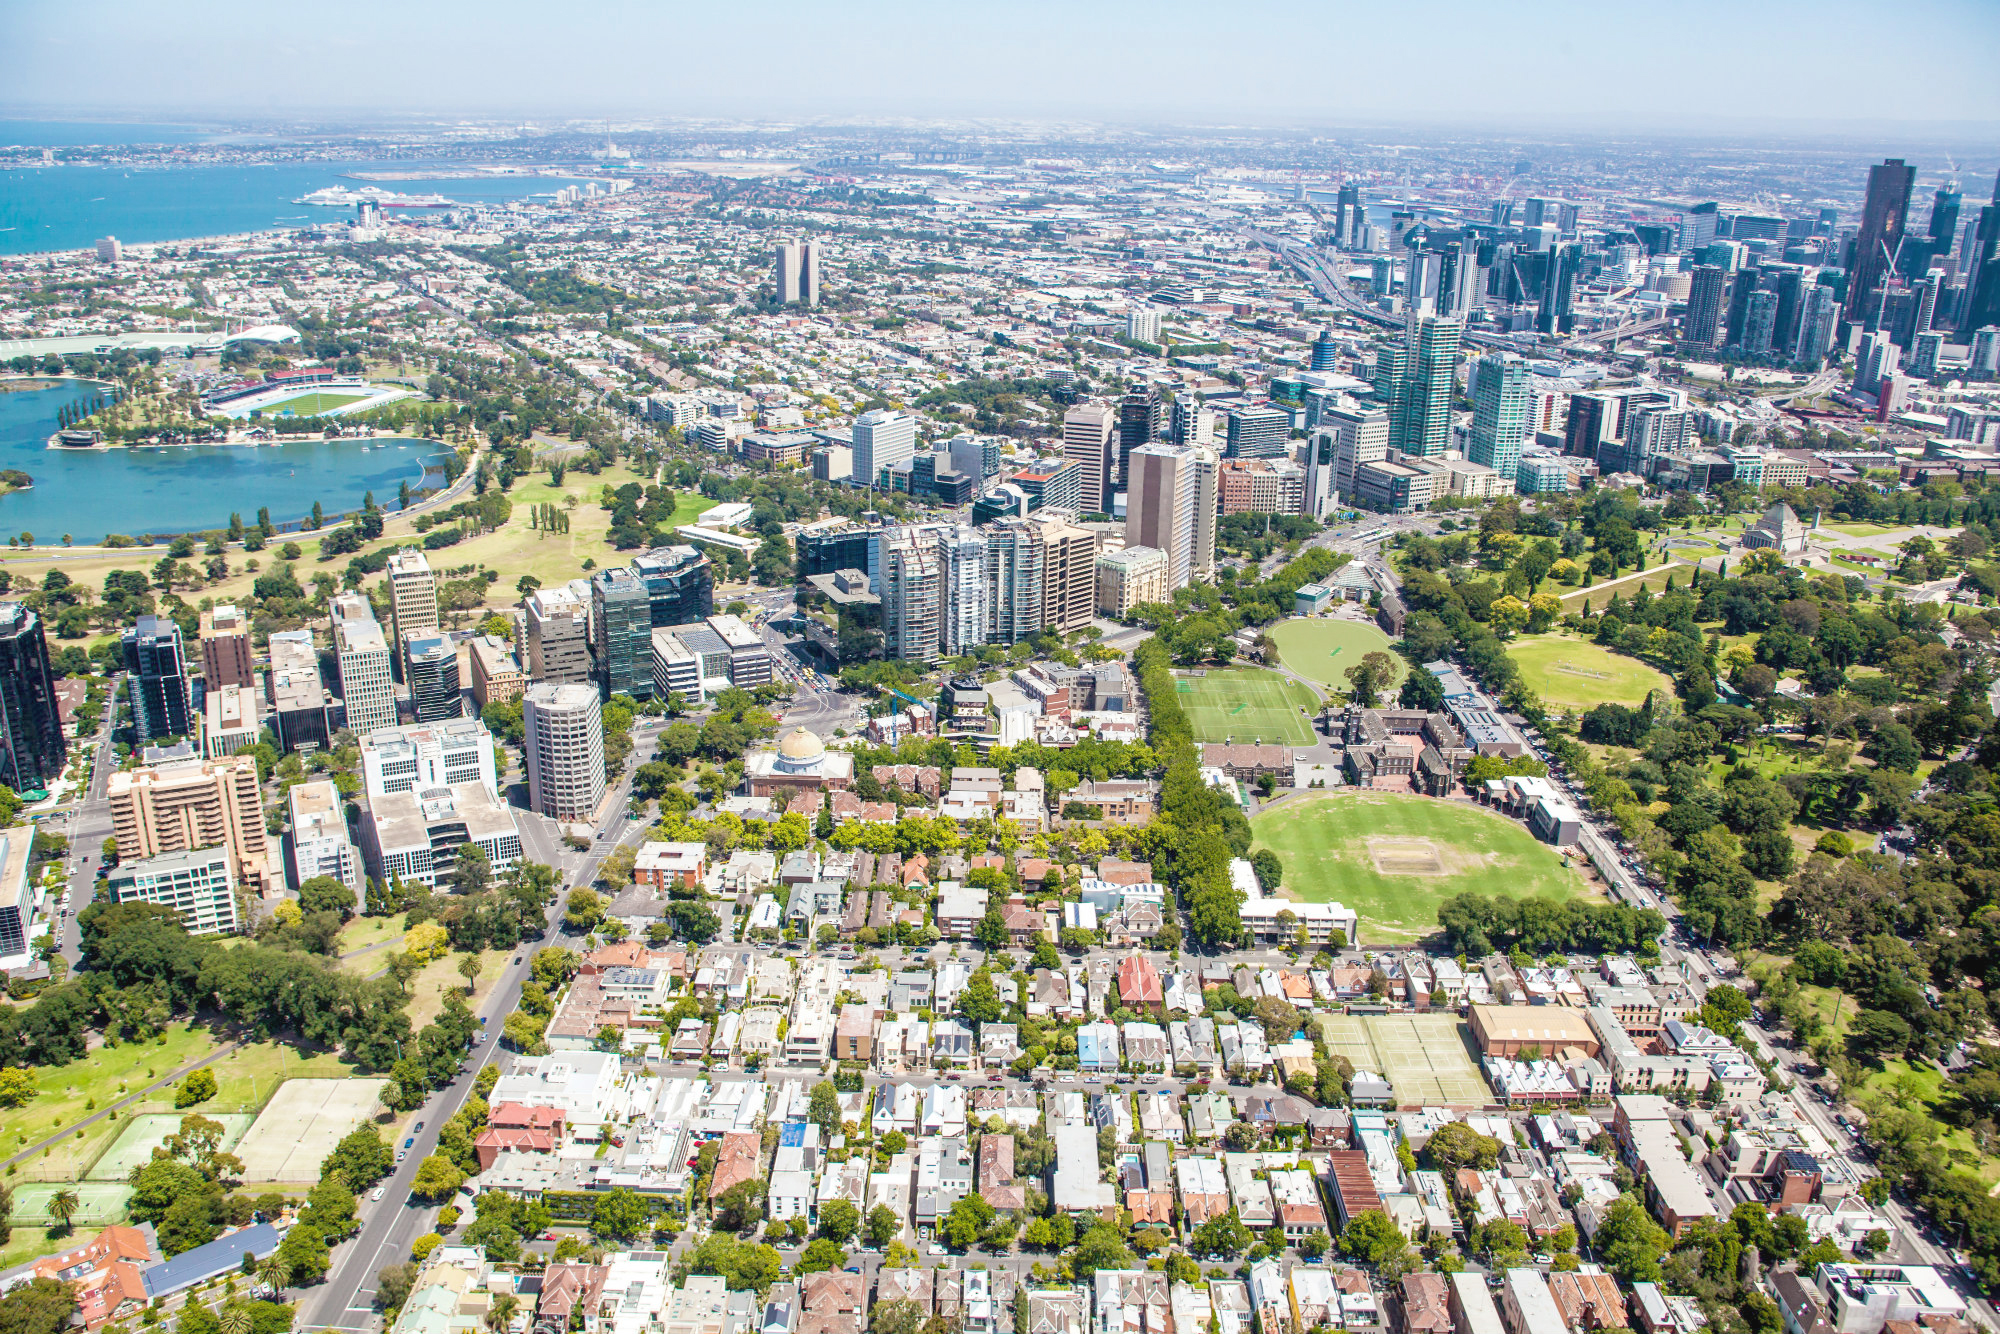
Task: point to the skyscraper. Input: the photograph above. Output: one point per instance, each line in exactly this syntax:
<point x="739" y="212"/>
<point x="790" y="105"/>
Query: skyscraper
<point x="558" y="633"/>
<point x="1702" y="325"/>
<point x="1500" y="404"/>
<point x="225" y="647"/>
<point x="1818" y="319"/>
<point x="1325" y="352"/>
<point x="1981" y="265"/>
<point x="1552" y="315"/>
<point x="1414" y="379"/>
<point x="1358" y="435"/>
<point x="621" y="633"/>
<point x="563" y="725"/>
<point x="1760" y="322"/>
<point x="1041" y="575"/>
<point x="156" y="679"/>
<point x="912" y="590"/>
<point x="680" y="585"/>
<point x="1142" y="415"/>
<point x="1193" y="423"/>
<point x="809" y="273"/>
<point x="962" y="614"/>
<point x="882" y="438"/>
<point x="430" y="663"/>
<point x="796" y="269"/>
<point x="361" y="655"/>
<point x="1698" y="228"/>
<point x="1161" y="508"/>
<point x="1259" y="432"/>
<point x="32" y="750"/>
<point x="1883" y="216"/>
<point x="1348" y="215"/>
<point x="1089" y="441"/>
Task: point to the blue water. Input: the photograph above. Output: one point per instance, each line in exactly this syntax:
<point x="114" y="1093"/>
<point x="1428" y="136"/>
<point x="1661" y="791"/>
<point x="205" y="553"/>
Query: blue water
<point x="89" y="493"/>
<point x="68" y="208"/>
<point x="81" y="133"/>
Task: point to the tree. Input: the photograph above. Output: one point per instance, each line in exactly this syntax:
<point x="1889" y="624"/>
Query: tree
<point x="304" y="1252"/>
<point x="468" y="968"/>
<point x="898" y="1315"/>
<point x="322" y="893"/>
<point x="838" y="1221"/>
<point x="330" y="1208"/>
<point x="1102" y="1247"/>
<point x="967" y="1219"/>
<point x="1367" y="679"/>
<point x="1874" y="1034"/>
<point x="741" y="1207"/>
<point x="1456" y="1144"/>
<point x="198" y="1087"/>
<point x="583" y="911"/>
<point x="1372" y="1237"/>
<point x="426" y="941"/>
<point x="1630" y="1243"/>
<point x="361" y="1157"/>
<point x="620" y="1215"/>
<point x="235" y="1319"/>
<point x="821" y="1255"/>
<point x="883" y="1226"/>
<point x="62" y="1207"/>
<point x="1222" y="1238"/>
<point x="39" y="1306"/>
<point x="824" y="1112"/>
<point x="392" y="1286"/>
<point x="437" y="1178"/>
<point x="274" y="1271"/>
<point x="17" y="1087"/>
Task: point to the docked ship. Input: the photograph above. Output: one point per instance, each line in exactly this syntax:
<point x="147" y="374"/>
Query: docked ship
<point x="339" y="196"/>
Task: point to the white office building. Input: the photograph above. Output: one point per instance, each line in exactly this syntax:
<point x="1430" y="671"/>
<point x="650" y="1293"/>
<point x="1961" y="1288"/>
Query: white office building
<point x="361" y="653"/>
<point x="424" y="755"/>
<point x="199" y="885"/>
<point x="882" y="439"/>
<point x="319" y="844"/>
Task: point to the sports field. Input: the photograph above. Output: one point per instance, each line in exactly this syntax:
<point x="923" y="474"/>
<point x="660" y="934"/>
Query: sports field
<point x="1394" y="857"/>
<point x="312" y="405"/>
<point x="1572" y="673"/>
<point x="98" y="1202"/>
<point x="1427" y="1058"/>
<point x="1247" y="705"/>
<point x="142" y="1134"/>
<point x="303" y="1121"/>
<point x="1322" y="650"/>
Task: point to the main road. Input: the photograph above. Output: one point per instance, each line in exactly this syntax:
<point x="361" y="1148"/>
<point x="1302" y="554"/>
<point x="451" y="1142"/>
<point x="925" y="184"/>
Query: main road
<point x="390" y="1227"/>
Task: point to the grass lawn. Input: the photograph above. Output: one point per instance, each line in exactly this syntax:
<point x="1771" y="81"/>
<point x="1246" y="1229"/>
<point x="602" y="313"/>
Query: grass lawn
<point x="1656" y="579"/>
<point x="514" y="550"/>
<point x="1349" y="846"/>
<point x="31" y="1243"/>
<point x="428" y="988"/>
<point x="312" y="405"/>
<point x="1919" y="1087"/>
<point x="1247" y="705"/>
<point x="1863" y="529"/>
<point x="362" y="932"/>
<point x="1574" y="673"/>
<point x="1323" y="650"/>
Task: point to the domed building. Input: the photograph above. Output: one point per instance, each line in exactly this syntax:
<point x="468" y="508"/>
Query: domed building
<point x="801" y="763"/>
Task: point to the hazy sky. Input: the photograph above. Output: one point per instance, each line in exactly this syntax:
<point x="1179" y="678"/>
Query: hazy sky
<point x="1604" y="64"/>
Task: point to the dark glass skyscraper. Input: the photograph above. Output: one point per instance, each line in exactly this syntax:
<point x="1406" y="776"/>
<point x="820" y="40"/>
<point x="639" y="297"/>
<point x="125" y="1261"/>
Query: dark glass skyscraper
<point x="680" y="584"/>
<point x="1882" y="220"/>
<point x="621" y="633"/>
<point x="1982" y="266"/>
<point x="1702" y="325"/>
<point x="1142" y="419"/>
<point x="156" y="679"/>
<point x="31" y="739"/>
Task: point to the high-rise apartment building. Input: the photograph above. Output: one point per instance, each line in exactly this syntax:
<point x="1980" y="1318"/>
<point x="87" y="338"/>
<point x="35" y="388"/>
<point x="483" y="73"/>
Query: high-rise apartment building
<point x="1193" y="423"/>
<point x="361" y="656"/>
<point x="1413" y="380"/>
<point x="225" y="647"/>
<point x="200" y="885"/>
<point x="318" y="844"/>
<point x="564" y="727"/>
<point x="496" y="672"/>
<point x="1819" y="319"/>
<point x="1500" y="420"/>
<point x="190" y="805"/>
<point x="156" y="679"/>
<point x="882" y="439"/>
<point x="1883" y="216"/>
<point x="1259" y="432"/>
<point x="912" y="591"/>
<point x="962" y="596"/>
<point x="1090" y="441"/>
<point x="1981" y="266"/>
<point x="1260" y="486"/>
<point x="1558" y="297"/>
<point x="298" y="696"/>
<point x="1142" y="324"/>
<point x="621" y="631"/>
<point x="430" y="665"/>
<point x="1130" y="576"/>
<point x="413" y="598"/>
<point x="797" y="273"/>
<point x="1041" y="575"/>
<point x="32" y="749"/>
<point x="556" y="626"/>
<point x="1702" y="326"/>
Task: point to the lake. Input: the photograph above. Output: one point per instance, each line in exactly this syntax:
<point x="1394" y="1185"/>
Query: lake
<point x="88" y="493"/>
<point x="69" y="207"/>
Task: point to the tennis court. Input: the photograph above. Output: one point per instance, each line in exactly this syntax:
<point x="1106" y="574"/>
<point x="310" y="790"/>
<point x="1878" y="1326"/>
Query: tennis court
<point x="1427" y="1058"/>
<point x="98" y="1202"/>
<point x="134" y="1147"/>
<point x="300" y="1125"/>
<point x="1246" y="706"/>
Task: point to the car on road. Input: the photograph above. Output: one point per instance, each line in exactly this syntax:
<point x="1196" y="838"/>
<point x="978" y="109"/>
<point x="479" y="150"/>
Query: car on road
<point x="376" y="1193"/>
<point x="408" y="1144"/>
<point x="400" y="1155"/>
<point x="418" y="1126"/>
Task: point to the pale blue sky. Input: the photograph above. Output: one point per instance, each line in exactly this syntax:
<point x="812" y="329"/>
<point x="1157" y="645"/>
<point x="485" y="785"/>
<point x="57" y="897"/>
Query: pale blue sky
<point x="1685" y="64"/>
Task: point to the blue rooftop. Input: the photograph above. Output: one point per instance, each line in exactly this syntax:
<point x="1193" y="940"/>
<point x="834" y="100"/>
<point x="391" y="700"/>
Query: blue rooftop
<point x="220" y="1256"/>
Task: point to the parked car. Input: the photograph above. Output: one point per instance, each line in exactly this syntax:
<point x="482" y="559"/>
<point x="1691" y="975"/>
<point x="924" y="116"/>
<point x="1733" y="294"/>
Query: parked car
<point x="376" y="1193"/>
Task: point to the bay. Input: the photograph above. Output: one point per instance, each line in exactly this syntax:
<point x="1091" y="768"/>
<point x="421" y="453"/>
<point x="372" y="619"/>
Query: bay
<point x="69" y="207"/>
<point x="88" y="493"/>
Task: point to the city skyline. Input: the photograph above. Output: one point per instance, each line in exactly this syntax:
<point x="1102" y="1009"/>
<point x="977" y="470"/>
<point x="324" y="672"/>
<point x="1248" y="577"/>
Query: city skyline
<point x="1041" y="61"/>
